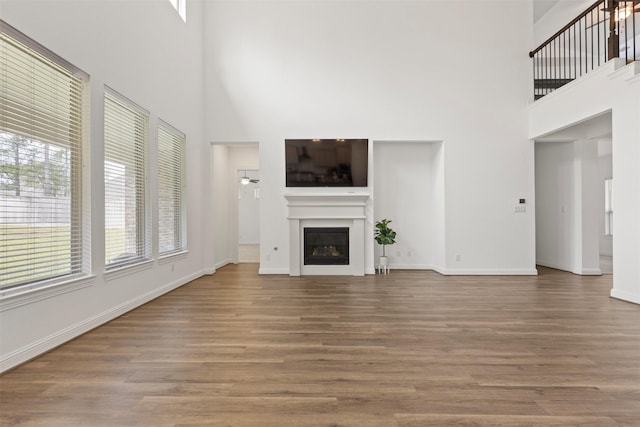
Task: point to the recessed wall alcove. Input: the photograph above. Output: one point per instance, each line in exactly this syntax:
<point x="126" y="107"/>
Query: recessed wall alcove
<point x="408" y="188"/>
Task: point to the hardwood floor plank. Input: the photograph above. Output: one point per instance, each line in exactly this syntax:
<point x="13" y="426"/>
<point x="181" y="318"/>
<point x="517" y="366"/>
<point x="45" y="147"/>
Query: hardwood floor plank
<point x="409" y="349"/>
<point x="427" y="420"/>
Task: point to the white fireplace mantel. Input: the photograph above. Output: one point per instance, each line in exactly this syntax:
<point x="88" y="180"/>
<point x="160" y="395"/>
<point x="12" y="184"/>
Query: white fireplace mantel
<point x="327" y="210"/>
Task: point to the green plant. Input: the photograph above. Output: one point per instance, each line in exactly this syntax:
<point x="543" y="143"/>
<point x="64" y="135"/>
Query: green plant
<point x="384" y="234"/>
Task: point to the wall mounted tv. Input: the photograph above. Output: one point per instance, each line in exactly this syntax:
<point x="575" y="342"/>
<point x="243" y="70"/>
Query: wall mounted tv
<point x="327" y="162"/>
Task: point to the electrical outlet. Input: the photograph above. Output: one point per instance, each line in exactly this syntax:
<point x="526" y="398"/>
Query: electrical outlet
<point x="399" y="253"/>
<point x="408" y="253"/>
<point x="520" y="208"/>
<point x="458" y="258"/>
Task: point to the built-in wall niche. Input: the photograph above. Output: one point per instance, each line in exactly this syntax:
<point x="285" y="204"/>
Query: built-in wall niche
<point x="339" y="162"/>
<point x="408" y="189"/>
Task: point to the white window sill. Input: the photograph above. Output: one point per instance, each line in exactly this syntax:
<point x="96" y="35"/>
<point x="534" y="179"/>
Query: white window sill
<point x="127" y="270"/>
<point x="27" y="294"/>
<point x="173" y="256"/>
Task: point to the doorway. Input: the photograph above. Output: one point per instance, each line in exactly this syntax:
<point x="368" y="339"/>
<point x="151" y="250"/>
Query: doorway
<point x="248" y="215"/>
<point x="235" y="206"/>
<point x="573" y="168"/>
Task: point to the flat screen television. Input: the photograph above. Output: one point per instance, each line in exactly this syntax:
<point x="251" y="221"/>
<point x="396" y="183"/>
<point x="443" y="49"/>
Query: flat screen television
<point x="326" y="162"/>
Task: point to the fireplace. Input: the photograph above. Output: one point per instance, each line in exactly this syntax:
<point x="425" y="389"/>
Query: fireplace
<point x="326" y="246"/>
<point x="327" y="211"/>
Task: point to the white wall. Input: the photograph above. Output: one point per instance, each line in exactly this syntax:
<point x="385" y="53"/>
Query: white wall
<point x="125" y="45"/>
<point x="388" y="71"/>
<point x="557" y="17"/>
<point x="615" y="88"/>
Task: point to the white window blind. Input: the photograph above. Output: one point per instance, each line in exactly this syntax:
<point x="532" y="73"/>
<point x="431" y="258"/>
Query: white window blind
<point x="171" y="218"/>
<point x="41" y="116"/>
<point x="125" y="142"/>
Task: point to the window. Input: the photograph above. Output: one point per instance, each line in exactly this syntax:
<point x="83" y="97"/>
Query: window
<point x="171" y="217"/>
<point x="41" y="137"/>
<point x="181" y="7"/>
<point x="608" y="207"/>
<point x="125" y="190"/>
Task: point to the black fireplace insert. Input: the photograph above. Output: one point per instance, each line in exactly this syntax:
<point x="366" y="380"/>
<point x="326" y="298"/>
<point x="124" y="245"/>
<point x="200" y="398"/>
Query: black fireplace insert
<point x="326" y="246"/>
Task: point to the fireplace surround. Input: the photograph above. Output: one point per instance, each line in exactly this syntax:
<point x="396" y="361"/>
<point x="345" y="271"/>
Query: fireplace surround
<point x="327" y="210"/>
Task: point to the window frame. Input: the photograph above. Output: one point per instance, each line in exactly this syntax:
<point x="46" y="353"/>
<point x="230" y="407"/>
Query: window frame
<point x="179" y="137"/>
<point x="143" y="235"/>
<point x="78" y="144"/>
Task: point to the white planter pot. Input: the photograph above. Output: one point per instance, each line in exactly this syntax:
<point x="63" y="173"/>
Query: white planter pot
<point x="383" y="265"/>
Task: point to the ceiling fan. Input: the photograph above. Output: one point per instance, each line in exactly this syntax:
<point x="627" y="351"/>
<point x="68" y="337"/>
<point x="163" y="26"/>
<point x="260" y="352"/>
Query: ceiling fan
<point x="623" y="8"/>
<point x="245" y="180"/>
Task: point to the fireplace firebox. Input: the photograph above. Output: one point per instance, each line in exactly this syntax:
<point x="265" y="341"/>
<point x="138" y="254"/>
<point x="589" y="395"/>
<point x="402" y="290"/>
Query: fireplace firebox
<point x="326" y="246"/>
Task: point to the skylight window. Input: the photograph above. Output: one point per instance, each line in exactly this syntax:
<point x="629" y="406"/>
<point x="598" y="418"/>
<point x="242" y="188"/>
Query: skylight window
<point x="181" y="7"/>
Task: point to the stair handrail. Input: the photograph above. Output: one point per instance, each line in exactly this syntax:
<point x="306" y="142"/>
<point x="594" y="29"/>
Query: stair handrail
<point x="606" y="30"/>
<point x="565" y="28"/>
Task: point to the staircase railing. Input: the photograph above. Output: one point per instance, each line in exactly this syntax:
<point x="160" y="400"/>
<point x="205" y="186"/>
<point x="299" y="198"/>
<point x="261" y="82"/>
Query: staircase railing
<point x="607" y="29"/>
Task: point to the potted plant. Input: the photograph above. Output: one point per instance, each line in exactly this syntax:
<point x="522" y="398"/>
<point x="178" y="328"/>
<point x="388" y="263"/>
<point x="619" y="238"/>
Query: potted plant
<point x="384" y="235"/>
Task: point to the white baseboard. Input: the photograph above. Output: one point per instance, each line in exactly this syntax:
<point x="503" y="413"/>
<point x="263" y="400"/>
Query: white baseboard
<point x="411" y="266"/>
<point x="262" y="270"/>
<point x="223" y="263"/>
<point x="208" y="271"/>
<point x="589" y="272"/>
<point x="489" y="272"/>
<point x="625" y="296"/>
<point x="28" y="352"/>
<point x="582" y="272"/>
<point x="439" y="269"/>
<point x="554" y="266"/>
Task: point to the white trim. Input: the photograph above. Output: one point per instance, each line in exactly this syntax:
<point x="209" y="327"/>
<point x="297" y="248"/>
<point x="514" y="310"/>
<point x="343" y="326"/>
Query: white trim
<point x="489" y="272"/>
<point x="40" y="49"/>
<point x="209" y="271"/>
<point x="396" y="266"/>
<point x="174" y="256"/>
<point x="610" y="67"/>
<point x="127" y="270"/>
<point x="554" y="266"/>
<point x="588" y="272"/>
<point x="28" y="352"/>
<point x="126" y="102"/>
<point x="273" y="271"/>
<point x="625" y="296"/>
<point x="583" y="272"/>
<point x="12" y="298"/>
<point x="223" y="263"/>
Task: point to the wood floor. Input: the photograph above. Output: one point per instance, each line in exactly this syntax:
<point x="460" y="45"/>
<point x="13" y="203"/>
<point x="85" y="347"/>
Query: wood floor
<point x="409" y="349"/>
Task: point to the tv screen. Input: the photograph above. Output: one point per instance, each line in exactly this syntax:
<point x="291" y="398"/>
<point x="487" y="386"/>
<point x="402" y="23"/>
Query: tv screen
<point x="327" y="162"/>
